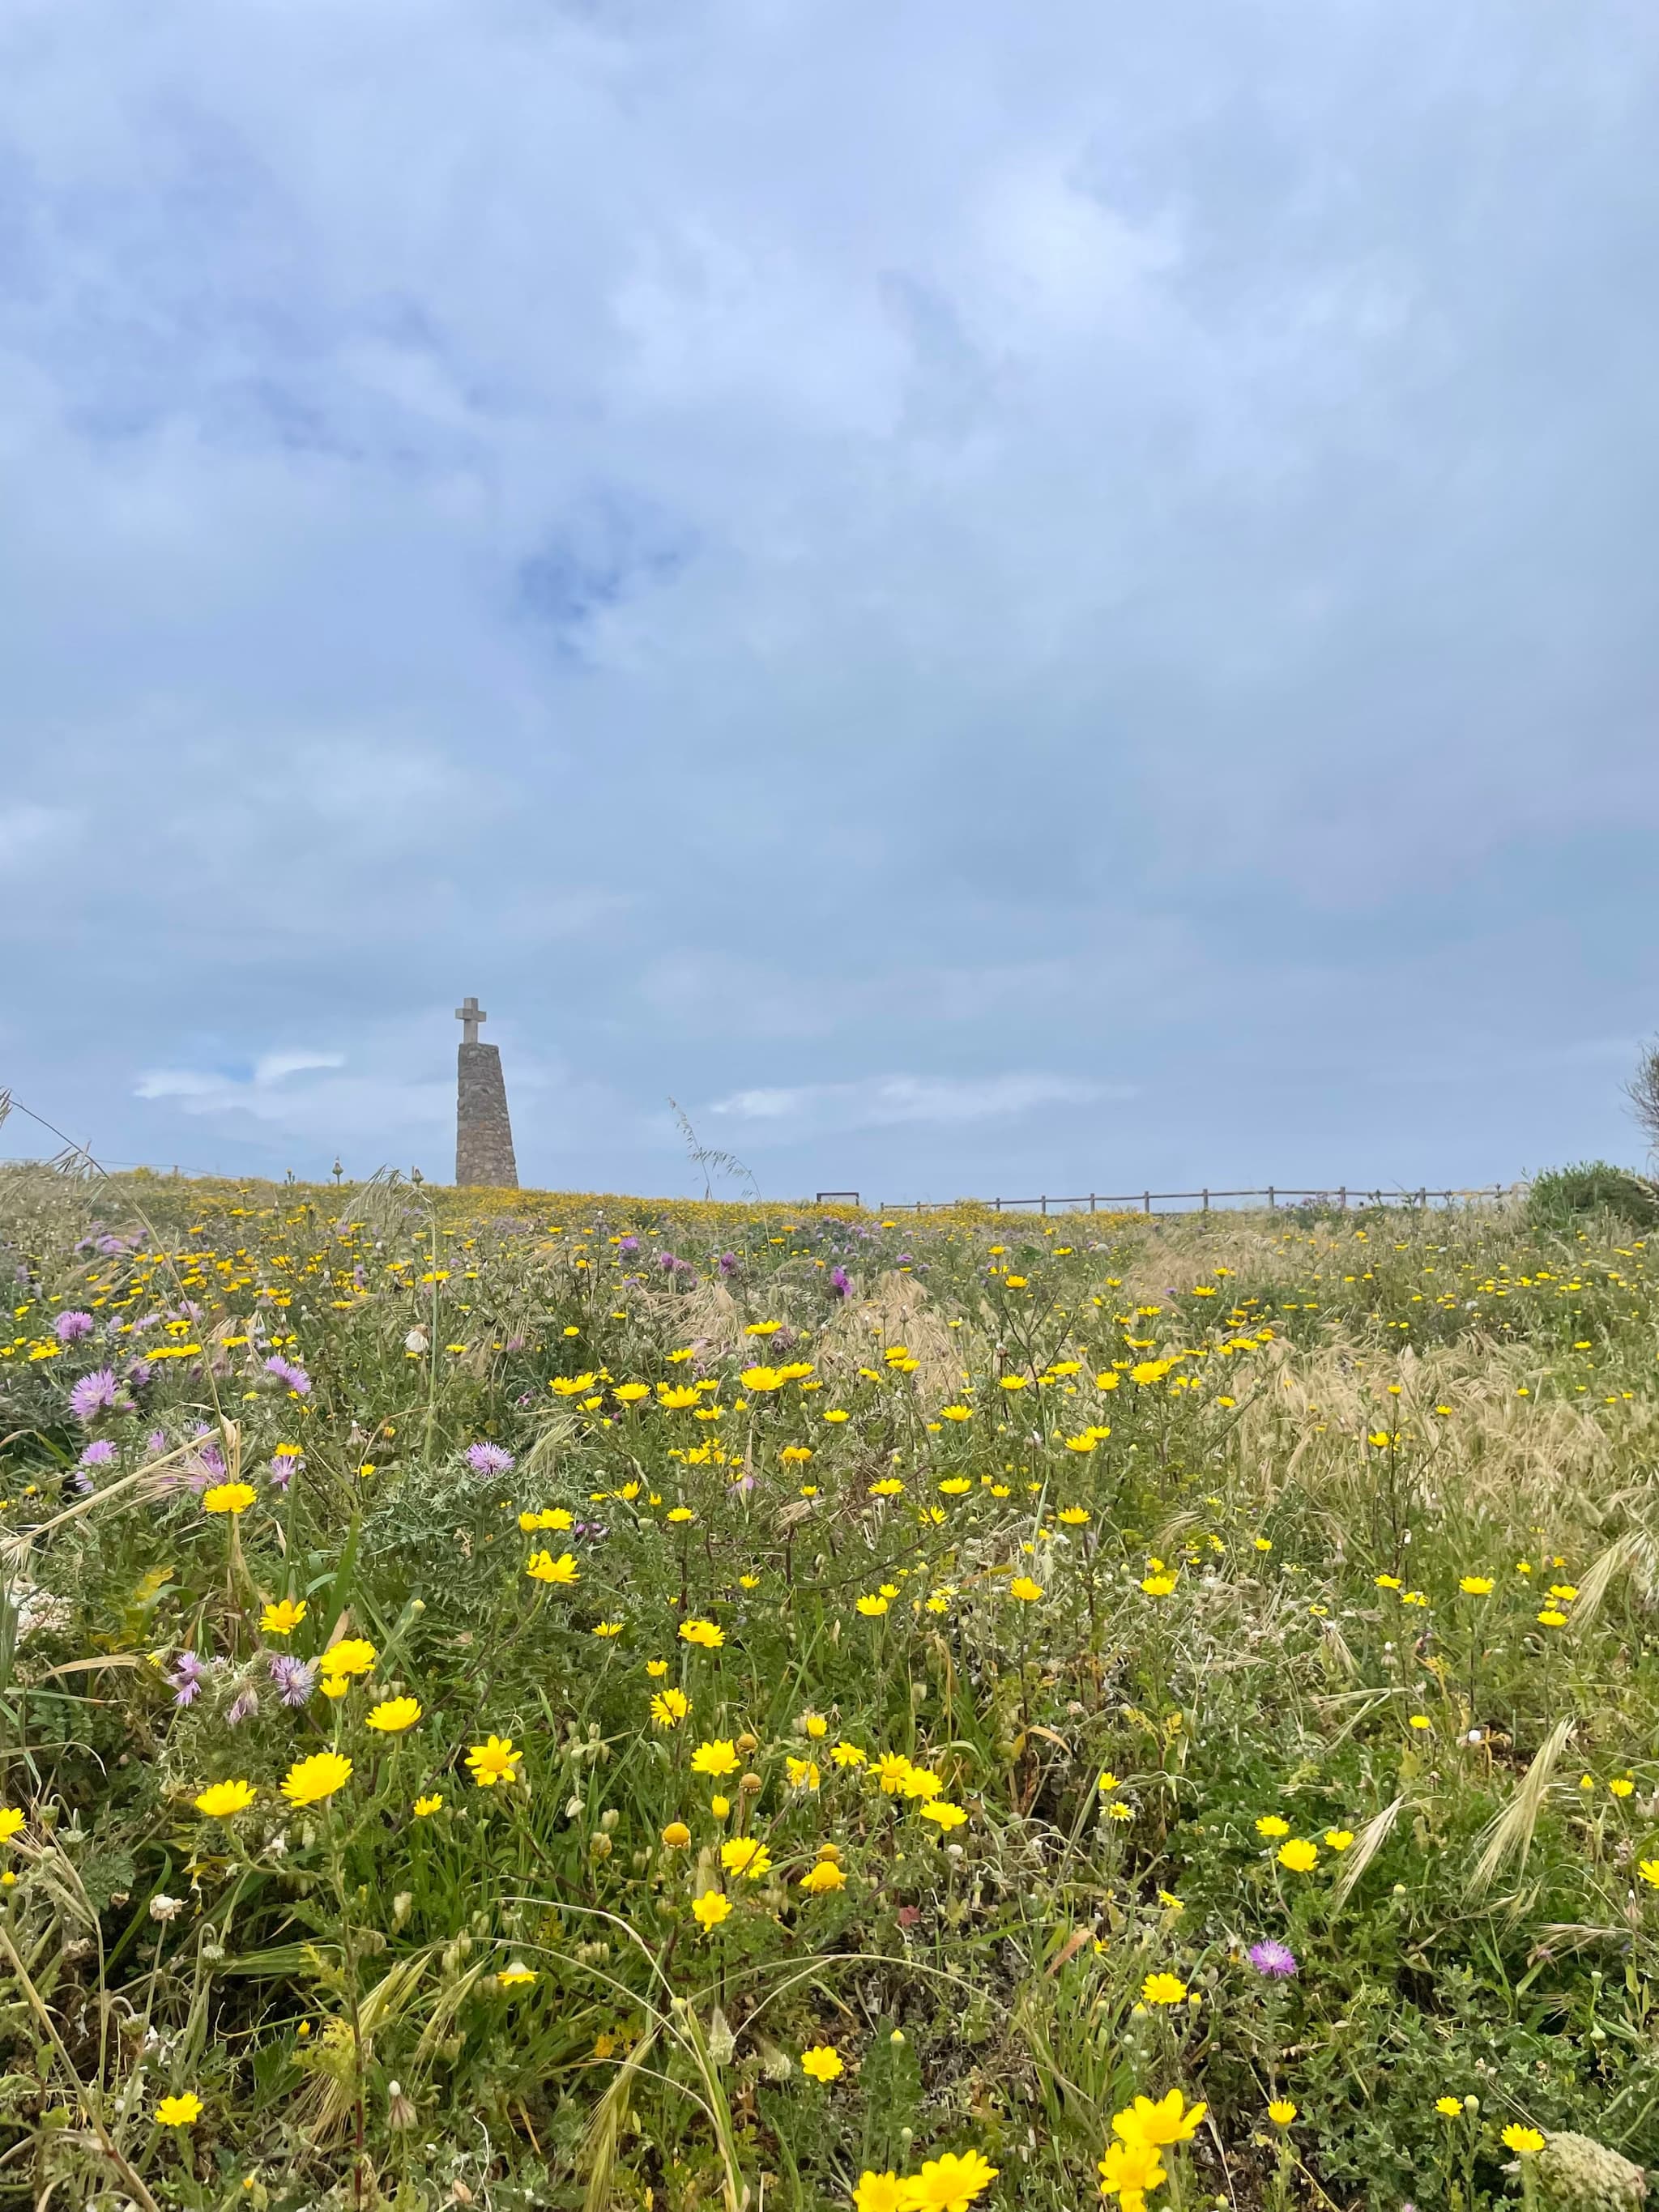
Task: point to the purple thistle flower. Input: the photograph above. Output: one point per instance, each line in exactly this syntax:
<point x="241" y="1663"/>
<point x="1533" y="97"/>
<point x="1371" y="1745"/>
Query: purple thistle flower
<point x="1275" y="1959"/>
<point x="246" y="1702"/>
<point x="93" y="1393"/>
<point x="841" y="1282"/>
<point x="728" y="1263"/>
<point x="70" y="1328"/>
<point x="296" y="1679"/>
<point x="203" y="1468"/>
<point x="187" y="1677"/>
<point x="295" y="1378"/>
<point x="284" y="1467"/>
<point x="488" y="1459"/>
<point x="157" y="1441"/>
<point x="139" y="1373"/>
<point x="98" y="1453"/>
<point x="628" y="1243"/>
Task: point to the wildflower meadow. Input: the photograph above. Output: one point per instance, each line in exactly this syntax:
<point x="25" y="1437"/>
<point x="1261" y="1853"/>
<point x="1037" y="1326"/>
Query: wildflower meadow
<point x="518" y="1700"/>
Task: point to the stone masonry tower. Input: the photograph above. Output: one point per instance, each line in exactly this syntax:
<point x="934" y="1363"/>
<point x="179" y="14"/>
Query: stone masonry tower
<point x="484" y="1135"/>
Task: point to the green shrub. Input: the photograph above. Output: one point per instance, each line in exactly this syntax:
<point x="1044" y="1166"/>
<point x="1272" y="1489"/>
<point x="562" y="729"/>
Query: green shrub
<point x="1561" y="1196"/>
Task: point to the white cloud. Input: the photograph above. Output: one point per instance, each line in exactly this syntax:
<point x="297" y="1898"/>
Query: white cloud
<point x="1062" y="256"/>
<point x="276" y="1065"/>
<point x="28" y="834"/>
<point x="265" y="1093"/>
<point x="885" y="1101"/>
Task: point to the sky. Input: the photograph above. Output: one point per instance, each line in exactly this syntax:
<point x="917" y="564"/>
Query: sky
<point x="994" y="599"/>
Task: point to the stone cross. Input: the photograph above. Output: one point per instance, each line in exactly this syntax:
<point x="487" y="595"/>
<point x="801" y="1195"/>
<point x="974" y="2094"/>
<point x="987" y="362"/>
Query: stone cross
<point x="484" y="1133"/>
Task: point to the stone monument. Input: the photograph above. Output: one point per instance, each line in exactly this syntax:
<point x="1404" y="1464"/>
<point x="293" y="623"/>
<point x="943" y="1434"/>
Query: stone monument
<point x="483" y="1134"/>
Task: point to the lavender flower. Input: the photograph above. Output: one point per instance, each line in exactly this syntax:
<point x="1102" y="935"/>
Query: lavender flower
<point x="204" y="1467"/>
<point x="98" y="1453"/>
<point x="93" y="1393"/>
<point x="70" y="1328"/>
<point x="246" y="1702"/>
<point x="1275" y="1959"/>
<point x="488" y="1459"/>
<point x="296" y="1679"/>
<point x="187" y="1677"/>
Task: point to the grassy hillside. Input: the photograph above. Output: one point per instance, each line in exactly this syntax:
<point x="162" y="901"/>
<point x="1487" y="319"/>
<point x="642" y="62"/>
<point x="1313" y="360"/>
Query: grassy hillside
<point x="569" y="1702"/>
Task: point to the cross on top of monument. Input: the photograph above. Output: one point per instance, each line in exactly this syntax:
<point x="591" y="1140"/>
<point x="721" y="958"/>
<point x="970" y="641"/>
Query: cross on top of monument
<point x="471" y="1013"/>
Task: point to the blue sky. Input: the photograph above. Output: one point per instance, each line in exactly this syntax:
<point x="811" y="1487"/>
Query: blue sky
<point x="993" y="598"/>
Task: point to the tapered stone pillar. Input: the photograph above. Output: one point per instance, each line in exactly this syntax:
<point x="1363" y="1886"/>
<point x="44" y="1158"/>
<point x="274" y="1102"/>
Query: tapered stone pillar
<point x="484" y="1133"/>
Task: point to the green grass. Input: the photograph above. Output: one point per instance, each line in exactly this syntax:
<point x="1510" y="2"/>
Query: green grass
<point x="1247" y="1471"/>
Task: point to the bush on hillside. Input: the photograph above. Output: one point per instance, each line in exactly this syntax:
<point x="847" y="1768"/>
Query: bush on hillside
<point x="1564" y="1195"/>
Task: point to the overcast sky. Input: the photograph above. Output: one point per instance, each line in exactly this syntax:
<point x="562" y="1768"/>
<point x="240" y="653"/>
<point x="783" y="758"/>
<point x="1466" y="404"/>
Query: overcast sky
<point x="995" y="598"/>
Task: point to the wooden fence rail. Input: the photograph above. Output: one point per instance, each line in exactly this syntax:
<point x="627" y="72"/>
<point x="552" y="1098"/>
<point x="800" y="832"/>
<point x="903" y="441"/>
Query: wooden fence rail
<point x="1342" y="1196"/>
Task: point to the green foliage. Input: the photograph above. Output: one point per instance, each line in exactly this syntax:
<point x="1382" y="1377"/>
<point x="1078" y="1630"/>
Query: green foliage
<point x="1143" y="1552"/>
<point x="1561" y="1198"/>
<point x="1574" y="2173"/>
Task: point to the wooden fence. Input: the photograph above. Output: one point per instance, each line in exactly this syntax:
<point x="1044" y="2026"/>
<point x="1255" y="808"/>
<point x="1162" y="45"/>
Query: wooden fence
<point x="1343" y="1196"/>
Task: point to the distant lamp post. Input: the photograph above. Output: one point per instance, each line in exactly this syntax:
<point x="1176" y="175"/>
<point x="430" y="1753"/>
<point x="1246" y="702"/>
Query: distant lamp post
<point x="415" y="1176"/>
<point x="338" y="1171"/>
